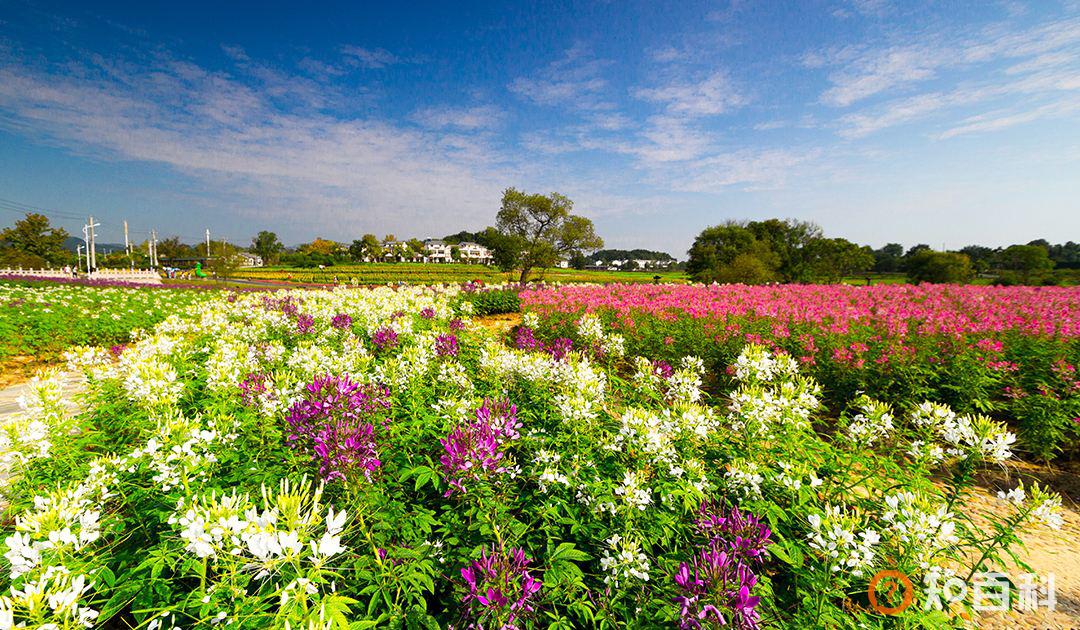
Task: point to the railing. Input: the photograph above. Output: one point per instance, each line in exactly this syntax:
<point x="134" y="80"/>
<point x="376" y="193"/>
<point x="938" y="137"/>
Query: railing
<point x="141" y="276"/>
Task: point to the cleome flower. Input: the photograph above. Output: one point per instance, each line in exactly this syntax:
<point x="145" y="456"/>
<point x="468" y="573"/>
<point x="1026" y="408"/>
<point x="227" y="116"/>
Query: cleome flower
<point x="476" y="450"/>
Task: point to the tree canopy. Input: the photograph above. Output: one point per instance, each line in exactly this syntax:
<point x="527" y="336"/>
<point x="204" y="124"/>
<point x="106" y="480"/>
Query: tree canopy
<point x="33" y="242"/>
<point x="536" y="230"/>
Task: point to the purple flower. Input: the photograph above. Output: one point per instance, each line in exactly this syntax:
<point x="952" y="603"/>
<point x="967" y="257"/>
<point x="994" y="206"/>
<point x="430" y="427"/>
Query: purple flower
<point x="385" y="338"/>
<point x="559" y="348"/>
<point x="476" y="450"/>
<point x="341" y="321"/>
<point x="740" y="533"/>
<point x="428" y="313"/>
<point x="117" y="350"/>
<point x="525" y="339"/>
<point x="251" y="387"/>
<point x="333" y="422"/>
<point x="662" y="369"/>
<point x="500" y="589"/>
<point x="446" y="345"/>
<point x="715" y="588"/>
<point x="457" y="324"/>
<point x="304" y="323"/>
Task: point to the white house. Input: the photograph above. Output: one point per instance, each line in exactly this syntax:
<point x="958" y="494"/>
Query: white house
<point x="247" y="259"/>
<point x="437" y="251"/>
<point x="475" y="253"/>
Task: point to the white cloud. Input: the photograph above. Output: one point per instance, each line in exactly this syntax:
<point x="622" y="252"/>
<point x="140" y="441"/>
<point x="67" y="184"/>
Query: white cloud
<point x="263" y="159"/>
<point x="464" y="118"/>
<point x="576" y="80"/>
<point x="715" y="94"/>
<point x="860" y="72"/>
<point x="370" y="58"/>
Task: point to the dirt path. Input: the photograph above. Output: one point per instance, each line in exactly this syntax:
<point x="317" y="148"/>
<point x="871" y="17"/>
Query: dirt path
<point x="499" y="323"/>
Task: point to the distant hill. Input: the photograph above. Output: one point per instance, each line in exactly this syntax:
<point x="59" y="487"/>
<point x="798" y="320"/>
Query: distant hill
<point x="72" y="242"/>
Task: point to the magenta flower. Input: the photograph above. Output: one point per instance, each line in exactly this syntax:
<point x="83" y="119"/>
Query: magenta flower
<point x="500" y="589"/>
<point x="716" y="586"/>
<point x="341" y="321"/>
<point x="446" y="345"/>
<point x="456" y="324"/>
<point x="385" y="338"/>
<point x="559" y="348"/>
<point x="428" y="313"/>
<point x="334" y="423"/>
<point x="477" y="450"/>
<point x="253" y="385"/>
<point x="525" y="339"/>
<point x="304" y="323"/>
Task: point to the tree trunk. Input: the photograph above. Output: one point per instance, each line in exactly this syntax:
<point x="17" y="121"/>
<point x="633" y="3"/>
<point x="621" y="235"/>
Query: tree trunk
<point x="524" y="275"/>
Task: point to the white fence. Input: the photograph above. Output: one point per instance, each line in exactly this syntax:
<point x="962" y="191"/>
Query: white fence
<point x="141" y="276"/>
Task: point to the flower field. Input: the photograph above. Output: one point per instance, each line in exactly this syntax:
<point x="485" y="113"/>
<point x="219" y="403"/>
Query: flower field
<point x="374" y="458"/>
<point x="42" y="319"/>
<point x="437" y="273"/>
<point x="1009" y="352"/>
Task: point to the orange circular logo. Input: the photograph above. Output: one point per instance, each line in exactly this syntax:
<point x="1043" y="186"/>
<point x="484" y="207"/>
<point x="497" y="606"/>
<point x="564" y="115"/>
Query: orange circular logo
<point x="896" y="580"/>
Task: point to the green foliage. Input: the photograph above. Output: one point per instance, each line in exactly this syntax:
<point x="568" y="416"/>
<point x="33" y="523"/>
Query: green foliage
<point x="939" y="267"/>
<point x="33" y="243"/>
<point x="538" y="229"/>
<point x="494" y="302"/>
<point x="267" y="246"/>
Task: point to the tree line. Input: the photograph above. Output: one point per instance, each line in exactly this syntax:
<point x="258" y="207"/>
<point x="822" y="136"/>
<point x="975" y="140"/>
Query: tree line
<point x="779" y="250"/>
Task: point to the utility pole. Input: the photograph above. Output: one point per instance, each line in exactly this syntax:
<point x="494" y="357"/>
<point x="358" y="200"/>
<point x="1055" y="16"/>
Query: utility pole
<point x="91" y="261"/>
<point x="207" y="244"/>
<point x="153" y="249"/>
<point x="127" y="247"/>
<point x="78" y="252"/>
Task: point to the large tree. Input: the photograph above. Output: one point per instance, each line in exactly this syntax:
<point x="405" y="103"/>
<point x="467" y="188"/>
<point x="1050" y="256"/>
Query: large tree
<point x="1030" y="261"/>
<point x="33" y="242"/>
<point x="267" y="246"/>
<point x="832" y="259"/>
<point x="926" y="265"/>
<point x="730" y="252"/>
<point x="540" y="229"/>
<point x="789" y="240"/>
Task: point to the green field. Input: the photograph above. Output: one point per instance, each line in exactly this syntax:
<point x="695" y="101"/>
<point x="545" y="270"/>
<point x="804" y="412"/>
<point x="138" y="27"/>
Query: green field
<point x="421" y="273"/>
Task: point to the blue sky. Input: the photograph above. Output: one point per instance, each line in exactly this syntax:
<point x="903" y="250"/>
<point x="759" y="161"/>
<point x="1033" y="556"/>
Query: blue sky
<point x="941" y="122"/>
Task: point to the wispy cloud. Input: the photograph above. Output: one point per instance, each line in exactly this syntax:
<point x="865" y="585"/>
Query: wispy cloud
<point x="370" y="58"/>
<point x="860" y="72"/>
<point x="714" y="94"/>
<point x="268" y="161"/>
<point x="464" y="118"/>
<point x="575" y="80"/>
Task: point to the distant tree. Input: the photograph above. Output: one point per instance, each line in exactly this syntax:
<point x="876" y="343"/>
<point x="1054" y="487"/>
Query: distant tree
<point x="887" y="258"/>
<point x="224" y="266"/>
<point x="320" y="246"/>
<point x="746" y="269"/>
<point x="33" y="242"/>
<point x="1030" y="261"/>
<point x="455" y="253"/>
<point x="982" y="258"/>
<point x="939" y="267"/>
<point x="578" y="261"/>
<point x="832" y="259"/>
<point x="915" y="249"/>
<point x="172" y="249"/>
<point x="789" y="240"/>
<point x="542" y="229"/>
<point x="414" y="248"/>
<point x="712" y="257"/>
<point x="267" y="246"/>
